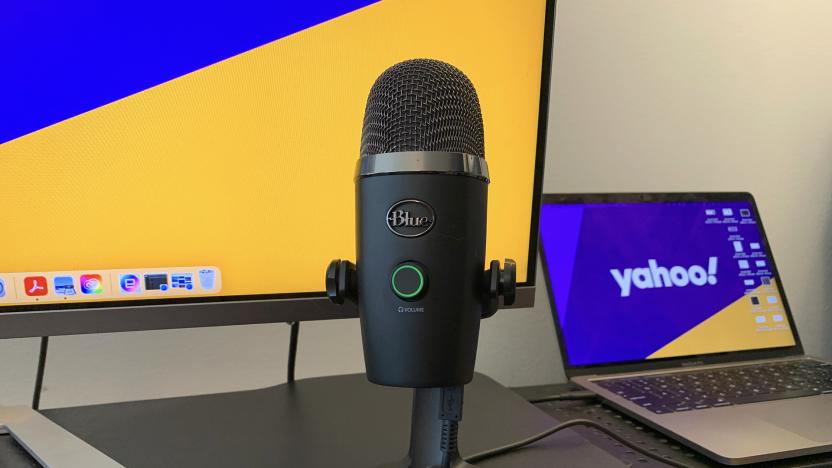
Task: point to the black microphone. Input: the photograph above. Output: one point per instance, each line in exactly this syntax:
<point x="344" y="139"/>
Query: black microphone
<point x="421" y="198"/>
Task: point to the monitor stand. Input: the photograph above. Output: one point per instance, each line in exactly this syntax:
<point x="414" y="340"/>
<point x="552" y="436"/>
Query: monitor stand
<point x="342" y="421"/>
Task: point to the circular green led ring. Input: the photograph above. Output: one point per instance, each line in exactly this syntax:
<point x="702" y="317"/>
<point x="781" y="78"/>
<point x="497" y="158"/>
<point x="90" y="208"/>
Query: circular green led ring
<point x="414" y="293"/>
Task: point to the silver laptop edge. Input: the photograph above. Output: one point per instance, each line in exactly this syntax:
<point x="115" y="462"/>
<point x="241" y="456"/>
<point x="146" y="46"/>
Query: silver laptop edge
<point x="50" y="444"/>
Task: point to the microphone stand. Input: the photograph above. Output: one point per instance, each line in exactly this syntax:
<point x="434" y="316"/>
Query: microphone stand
<point x="433" y="430"/>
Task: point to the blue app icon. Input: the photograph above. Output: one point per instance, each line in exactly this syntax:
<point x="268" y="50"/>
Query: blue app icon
<point x="182" y="281"/>
<point x="129" y="283"/>
<point x="2" y="288"/>
<point x="65" y="286"/>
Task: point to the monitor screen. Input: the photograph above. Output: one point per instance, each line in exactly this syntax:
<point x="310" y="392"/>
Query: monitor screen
<point x="652" y="280"/>
<point x="184" y="151"/>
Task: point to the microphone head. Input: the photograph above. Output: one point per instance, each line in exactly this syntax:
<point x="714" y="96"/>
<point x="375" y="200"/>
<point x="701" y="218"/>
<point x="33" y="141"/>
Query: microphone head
<point x="422" y="105"/>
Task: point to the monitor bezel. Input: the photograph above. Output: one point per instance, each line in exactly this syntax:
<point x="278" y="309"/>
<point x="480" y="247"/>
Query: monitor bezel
<point x="32" y="320"/>
<point x="672" y="362"/>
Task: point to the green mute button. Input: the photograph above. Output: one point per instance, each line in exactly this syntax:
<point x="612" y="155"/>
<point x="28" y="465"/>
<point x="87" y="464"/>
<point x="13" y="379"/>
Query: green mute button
<point x="408" y="281"/>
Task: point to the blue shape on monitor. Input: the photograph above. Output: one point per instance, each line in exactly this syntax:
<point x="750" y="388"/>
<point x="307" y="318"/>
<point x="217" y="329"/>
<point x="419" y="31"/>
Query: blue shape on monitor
<point x="66" y="58"/>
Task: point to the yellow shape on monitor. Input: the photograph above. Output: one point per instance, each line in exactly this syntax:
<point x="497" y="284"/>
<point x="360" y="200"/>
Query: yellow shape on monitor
<point x="737" y="327"/>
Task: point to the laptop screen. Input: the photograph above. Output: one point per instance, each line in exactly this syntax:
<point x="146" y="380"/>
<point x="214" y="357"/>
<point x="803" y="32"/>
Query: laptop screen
<point x="650" y="280"/>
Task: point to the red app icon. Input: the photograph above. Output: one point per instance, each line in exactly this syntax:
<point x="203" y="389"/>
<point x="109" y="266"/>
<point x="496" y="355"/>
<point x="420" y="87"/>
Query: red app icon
<point x="35" y="286"/>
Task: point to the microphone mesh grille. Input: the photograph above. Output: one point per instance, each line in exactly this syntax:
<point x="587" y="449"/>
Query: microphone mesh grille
<point x="422" y="105"/>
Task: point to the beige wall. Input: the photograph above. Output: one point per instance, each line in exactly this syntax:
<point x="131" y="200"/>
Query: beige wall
<point x="647" y="95"/>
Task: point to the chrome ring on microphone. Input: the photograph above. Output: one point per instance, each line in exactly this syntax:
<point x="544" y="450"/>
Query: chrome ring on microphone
<point x="429" y="162"/>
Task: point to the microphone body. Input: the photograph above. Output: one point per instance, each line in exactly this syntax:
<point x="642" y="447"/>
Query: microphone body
<point x="429" y="340"/>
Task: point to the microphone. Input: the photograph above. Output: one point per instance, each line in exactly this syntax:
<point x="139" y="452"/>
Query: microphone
<point x="420" y="281"/>
<point x="421" y="198"/>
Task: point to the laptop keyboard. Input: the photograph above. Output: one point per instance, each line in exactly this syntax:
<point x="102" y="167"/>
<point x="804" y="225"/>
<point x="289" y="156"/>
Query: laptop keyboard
<point x="711" y="388"/>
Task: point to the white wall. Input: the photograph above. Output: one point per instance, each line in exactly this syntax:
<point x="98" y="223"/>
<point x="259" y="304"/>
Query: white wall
<point x="647" y="95"/>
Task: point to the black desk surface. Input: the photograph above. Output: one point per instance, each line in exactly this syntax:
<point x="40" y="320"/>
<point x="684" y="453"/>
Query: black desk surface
<point x="337" y="421"/>
<point x="340" y="421"/>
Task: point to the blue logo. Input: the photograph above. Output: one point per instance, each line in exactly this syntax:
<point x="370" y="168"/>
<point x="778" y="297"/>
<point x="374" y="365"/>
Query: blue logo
<point x="2" y="288"/>
<point x="65" y="286"/>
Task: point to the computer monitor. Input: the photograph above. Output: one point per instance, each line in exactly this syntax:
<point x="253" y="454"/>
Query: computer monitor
<point x="180" y="164"/>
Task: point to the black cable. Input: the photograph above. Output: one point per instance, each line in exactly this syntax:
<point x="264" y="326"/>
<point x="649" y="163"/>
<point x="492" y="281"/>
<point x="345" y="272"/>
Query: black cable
<point x="449" y="442"/>
<point x="293" y="351"/>
<point x="44" y="347"/>
<point x="573" y="395"/>
<point x="450" y="413"/>
<point x="574" y="422"/>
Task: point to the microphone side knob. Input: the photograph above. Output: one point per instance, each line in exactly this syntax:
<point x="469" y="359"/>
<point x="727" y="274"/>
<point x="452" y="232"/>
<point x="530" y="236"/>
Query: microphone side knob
<point x="341" y="281"/>
<point x="508" y="281"/>
<point x="500" y="282"/>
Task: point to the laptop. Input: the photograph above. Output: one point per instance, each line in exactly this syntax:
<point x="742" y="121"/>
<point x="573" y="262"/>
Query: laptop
<point x="669" y="307"/>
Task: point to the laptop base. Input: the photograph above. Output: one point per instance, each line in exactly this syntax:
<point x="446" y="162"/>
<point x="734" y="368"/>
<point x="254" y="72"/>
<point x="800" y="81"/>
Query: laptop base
<point x="737" y="434"/>
<point x="636" y="432"/>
